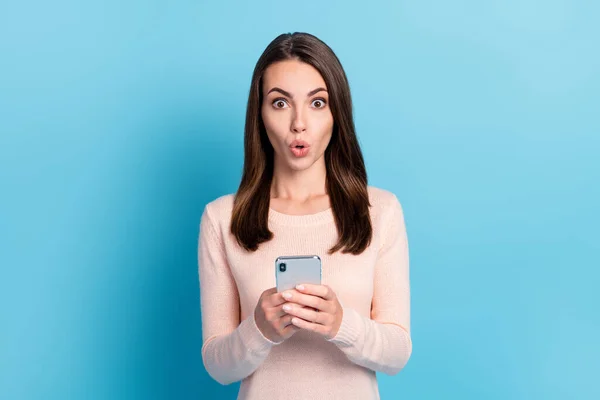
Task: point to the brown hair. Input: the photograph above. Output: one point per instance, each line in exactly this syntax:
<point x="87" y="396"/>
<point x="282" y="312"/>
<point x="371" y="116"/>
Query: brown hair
<point x="346" y="177"/>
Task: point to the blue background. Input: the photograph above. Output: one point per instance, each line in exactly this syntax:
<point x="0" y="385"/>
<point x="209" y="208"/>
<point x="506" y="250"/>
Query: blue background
<point x="120" y="120"/>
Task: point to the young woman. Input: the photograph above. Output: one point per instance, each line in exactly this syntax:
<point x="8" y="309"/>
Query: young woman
<point x="303" y="191"/>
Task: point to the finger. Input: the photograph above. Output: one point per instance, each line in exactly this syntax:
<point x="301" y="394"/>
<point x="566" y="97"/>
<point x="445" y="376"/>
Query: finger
<point x="289" y="330"/>
<point x="281" y="312"/>
<point x="309" y="326"/>
<point x="307" y="300"/>
<point x="308" y="314"/>
<point x="275" y="299"/>
<point x="322" y="291"/>
<point x="284" y="321"/>
<point x="285" y="326"/>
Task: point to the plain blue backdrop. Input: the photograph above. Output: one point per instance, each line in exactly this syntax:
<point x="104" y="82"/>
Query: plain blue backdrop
<point x="120" y="120"/>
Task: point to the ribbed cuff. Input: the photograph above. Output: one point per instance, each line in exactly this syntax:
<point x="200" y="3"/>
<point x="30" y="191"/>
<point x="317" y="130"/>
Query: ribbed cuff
<point x="350" y="329"/>
<point x="253" y="338"/>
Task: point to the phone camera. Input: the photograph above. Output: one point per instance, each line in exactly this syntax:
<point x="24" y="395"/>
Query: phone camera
<point x="282" y="267"/>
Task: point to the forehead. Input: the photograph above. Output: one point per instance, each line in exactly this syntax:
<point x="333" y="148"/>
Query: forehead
<point x="293" y="76"/>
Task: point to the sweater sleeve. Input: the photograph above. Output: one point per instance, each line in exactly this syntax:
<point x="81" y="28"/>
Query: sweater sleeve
<point x="383" y="342"/>
<point x="231" y="350"/>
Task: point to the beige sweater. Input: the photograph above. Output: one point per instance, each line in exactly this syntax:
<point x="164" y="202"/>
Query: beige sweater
<point x="373" y="289"/>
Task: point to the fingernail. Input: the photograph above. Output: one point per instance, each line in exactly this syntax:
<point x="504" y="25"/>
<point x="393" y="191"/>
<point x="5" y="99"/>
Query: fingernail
<point x="287" y="308"/>
<point x="300" y="287"/>
<point x="287" y="295"/>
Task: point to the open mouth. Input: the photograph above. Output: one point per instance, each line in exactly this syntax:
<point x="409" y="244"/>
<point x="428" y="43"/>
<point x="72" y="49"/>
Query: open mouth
<point x="299" y="151"/>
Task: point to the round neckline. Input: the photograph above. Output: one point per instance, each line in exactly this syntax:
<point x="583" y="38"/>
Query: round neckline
<point x="299" y="220"/>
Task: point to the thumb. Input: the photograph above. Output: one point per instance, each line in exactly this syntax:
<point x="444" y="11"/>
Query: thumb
<point x="270" y="291"/>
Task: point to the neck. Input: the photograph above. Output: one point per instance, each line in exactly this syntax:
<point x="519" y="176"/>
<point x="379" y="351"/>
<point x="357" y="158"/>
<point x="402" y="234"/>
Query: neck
<point x="299" y="185"/>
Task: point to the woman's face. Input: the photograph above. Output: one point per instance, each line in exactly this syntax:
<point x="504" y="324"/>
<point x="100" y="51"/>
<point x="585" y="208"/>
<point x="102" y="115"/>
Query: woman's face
<point x="295" y="110"/>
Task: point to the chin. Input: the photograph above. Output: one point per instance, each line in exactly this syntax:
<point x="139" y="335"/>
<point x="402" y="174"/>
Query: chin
<point x="299" y="166"/>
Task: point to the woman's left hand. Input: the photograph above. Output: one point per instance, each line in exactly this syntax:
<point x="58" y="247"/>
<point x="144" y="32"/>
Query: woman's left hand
<point x="325" y="317"/>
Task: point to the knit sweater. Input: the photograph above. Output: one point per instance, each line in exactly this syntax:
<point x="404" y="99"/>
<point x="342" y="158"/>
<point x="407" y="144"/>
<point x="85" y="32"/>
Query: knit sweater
<point x="372" y="288"/>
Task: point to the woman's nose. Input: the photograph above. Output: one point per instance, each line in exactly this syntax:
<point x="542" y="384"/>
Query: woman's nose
<point x="298" y="123"/>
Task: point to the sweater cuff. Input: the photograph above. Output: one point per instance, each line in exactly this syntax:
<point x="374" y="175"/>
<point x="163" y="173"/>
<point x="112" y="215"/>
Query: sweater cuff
<point x="253" y="338"/>
<point x="350" y="329"/>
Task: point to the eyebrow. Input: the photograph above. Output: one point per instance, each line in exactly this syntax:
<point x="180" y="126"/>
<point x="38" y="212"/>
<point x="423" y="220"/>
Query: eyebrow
<point x="276" y="89"/>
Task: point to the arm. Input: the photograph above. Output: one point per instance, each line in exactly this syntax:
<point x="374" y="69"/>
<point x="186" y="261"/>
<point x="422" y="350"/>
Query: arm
<point x="382" y="342"/>
<point x="231" y="350"/>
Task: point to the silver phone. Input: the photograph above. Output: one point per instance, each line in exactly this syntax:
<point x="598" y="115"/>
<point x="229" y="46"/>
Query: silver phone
<point x="294" y="270"/>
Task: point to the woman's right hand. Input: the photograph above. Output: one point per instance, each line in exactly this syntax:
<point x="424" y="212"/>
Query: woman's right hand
<point x="274" y="323"/>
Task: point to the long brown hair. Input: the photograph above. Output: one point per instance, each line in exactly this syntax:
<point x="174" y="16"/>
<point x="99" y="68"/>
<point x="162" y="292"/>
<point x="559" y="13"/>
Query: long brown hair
<point x="346" y="177"/>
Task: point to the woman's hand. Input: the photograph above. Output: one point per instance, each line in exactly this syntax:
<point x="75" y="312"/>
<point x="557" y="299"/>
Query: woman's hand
<point x="315" y="308"/>
<point x="274" y="323"/>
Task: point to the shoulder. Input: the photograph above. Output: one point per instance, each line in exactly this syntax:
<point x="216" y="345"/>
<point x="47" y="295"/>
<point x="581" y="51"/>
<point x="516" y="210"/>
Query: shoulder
<point x="219" y="210"/>
<point x="382" y="200"/>
<point x="387" y="215"/>
<point x="386" y="209"/>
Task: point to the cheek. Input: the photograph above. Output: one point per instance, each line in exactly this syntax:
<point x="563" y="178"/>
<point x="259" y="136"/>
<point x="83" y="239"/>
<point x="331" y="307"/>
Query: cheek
<point x="325" y="129"/>
<point x="268" y="122"/>
<point x="271" y="120"/>
<point x="273" y="128"/>
<point x="324" y="121"/>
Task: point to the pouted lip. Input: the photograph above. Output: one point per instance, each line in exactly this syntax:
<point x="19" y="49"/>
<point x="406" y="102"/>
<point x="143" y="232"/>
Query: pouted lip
<point x="299" y="143"/>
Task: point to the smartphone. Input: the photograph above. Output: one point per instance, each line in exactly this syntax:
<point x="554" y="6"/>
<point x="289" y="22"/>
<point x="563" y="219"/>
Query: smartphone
<point x="294" y="270"/>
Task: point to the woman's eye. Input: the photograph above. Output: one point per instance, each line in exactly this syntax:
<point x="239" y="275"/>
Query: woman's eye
<point x="319" y="103"/>
<point x="282" y="103"/>
<point x="279" y="103"/>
